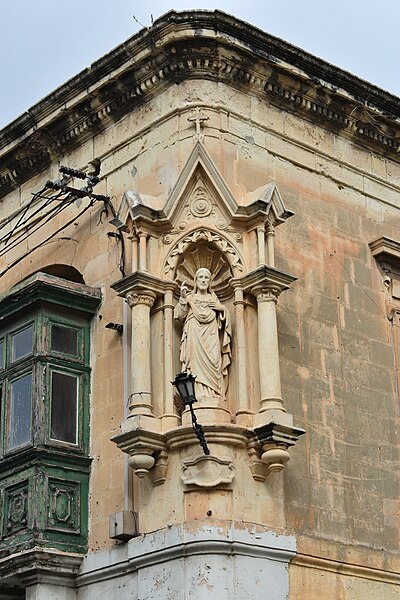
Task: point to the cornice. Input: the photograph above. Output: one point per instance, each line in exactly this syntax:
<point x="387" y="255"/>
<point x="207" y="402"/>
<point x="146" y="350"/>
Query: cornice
<point x="343" y="568"/>
<point x="142" y="282"/>
<point x="178" y="542"/>
<point x="387" y="252"/>
<point x="42" y="287"/>
<point x="196" y="45"/>
<point x="41" y="564"/>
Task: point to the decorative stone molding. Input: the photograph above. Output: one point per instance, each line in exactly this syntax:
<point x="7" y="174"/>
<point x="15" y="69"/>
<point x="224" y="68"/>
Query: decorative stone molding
<point x="387" y="253"/>
<point x="158" y="473"/>
<point x="265" y="278"/>
<point x="267" y="293"/>
<point x="142" y="284"/>
<point x="225" y="434"/>
<point x="39" y="565"/>
<point x="134" y="299"/>
<point x="275" y="439"/>
<point x="258" y="469"/>
<point x="199" y="187"/>
<point x="200" y="203"/>
<point x="207" y="471"/>
<point x="347" y="569"/>
<point x="188" y="548"/>
<point x="276" y="74"/>
<point x="209" y="236"/>
<point x="143" y="447"/>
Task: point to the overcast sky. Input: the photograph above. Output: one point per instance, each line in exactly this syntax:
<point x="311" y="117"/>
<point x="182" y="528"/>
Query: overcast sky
<point x="43" y="43"/>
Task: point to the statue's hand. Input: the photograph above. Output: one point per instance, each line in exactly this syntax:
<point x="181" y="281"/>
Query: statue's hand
<point x="184" y="290"/>
<point x="216" y="305"/>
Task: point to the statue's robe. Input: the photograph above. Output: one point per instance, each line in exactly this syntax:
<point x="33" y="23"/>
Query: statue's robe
<point x="205" y="350"/>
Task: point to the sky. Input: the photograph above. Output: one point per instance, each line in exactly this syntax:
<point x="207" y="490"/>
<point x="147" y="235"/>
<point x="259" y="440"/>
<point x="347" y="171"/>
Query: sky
<point x="46" y="42"/>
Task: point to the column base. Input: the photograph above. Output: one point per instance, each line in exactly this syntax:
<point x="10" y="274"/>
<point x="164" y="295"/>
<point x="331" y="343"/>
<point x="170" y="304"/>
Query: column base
<point x="244" y="418"/>
<point x="207" y="415"/>
<point x="272" y="415"/>
<point x="170" y="421"/>
<point x="133" y="422"/>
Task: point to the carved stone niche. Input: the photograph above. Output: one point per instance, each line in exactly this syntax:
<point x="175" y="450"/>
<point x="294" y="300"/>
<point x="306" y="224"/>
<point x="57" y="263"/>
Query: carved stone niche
<point x="205" y="250"/>
<point x="201" y="225"/>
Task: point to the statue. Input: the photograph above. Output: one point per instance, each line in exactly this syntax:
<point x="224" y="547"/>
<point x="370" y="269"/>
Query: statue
<point x="205" y="349"/>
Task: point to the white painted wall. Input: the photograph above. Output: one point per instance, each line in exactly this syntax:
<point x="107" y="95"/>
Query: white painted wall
<point x="178" y="564"/>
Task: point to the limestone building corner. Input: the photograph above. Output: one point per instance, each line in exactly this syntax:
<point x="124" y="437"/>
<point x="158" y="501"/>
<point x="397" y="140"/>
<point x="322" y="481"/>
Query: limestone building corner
<point x="205" y="201"/>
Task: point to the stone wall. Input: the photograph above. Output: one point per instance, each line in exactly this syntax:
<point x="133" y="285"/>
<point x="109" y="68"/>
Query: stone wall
<point x="338" y="495"/>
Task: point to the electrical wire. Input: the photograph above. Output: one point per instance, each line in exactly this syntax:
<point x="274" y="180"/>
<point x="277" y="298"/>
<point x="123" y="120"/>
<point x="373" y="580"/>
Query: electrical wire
<point x="32" y="223"/>
<point x="19" y="259"/>
<point x="44" y="220"/>
<point x="120" y="237"/>
<point x="26" y="224"/>
<point x="23" y="209"/>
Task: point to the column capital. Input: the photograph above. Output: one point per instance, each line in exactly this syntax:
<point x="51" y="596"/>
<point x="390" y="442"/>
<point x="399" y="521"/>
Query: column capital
<point x="134" y="298"/>
<point x="270" y="228"/>
<point x="267" y="293"/>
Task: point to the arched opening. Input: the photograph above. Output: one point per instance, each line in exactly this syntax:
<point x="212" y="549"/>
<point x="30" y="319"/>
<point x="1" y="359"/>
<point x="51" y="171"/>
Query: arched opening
<point x="63" y="271"/>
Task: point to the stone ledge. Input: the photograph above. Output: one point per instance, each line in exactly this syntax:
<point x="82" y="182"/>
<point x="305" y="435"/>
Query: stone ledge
<point x="182" y="542"/>
<point x="341" y="568"/>
<point x="41" y="565"/>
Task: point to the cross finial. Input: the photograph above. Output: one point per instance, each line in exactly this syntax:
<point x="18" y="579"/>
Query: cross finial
<point x="198" y="117"/>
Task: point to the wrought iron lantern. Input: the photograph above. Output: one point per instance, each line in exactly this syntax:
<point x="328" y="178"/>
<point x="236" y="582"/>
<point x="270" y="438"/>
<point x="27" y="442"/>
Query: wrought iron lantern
<point x="184" y="383"/>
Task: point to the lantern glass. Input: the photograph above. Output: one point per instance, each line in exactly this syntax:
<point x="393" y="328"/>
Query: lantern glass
<point x="184" y="383"/>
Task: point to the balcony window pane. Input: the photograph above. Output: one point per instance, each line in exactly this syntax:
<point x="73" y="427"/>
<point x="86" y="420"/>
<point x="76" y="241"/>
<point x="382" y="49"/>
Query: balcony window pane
<point x="64" y="407"/>
<point x="20" y="412"/>
<point x="64" y="339"/>
<point x="22" y="343"/>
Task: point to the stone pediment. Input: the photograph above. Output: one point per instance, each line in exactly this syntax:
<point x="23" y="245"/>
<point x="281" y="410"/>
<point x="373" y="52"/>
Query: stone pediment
<point x="200" y="193"/>
<point x="267" y="200"/>
<point x="200" y="196"/>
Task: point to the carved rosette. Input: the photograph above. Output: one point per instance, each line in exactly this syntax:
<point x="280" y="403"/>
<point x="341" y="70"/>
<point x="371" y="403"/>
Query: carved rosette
<point x="200" y="203"/>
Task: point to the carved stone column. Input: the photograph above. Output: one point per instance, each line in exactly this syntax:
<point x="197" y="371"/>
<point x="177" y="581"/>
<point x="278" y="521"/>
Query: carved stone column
<point x="270" y="244"/>
<point x="140" y="398"/>
<point x="268" y="352"/>
<point x="261" y="244"/>
<point x="135" y="253"/>
<point x="142" y="251"/>
<point x="242" y="411"/>
<point x="169" y="417"/>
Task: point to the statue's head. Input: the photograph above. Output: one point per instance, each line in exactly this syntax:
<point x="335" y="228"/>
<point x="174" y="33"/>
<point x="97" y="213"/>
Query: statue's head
<point x="202" y="279"/>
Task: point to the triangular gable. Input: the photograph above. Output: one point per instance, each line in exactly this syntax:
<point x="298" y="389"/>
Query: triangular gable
<point x="201" y="161"/>
<point x="269" y="200"/>
<point x="199" y="191"/>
